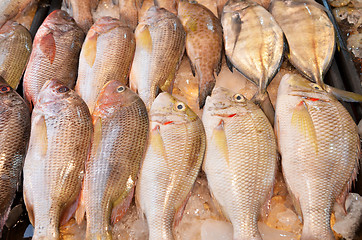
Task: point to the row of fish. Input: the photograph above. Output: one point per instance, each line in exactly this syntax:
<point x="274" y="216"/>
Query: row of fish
<point x="235" y="127"/>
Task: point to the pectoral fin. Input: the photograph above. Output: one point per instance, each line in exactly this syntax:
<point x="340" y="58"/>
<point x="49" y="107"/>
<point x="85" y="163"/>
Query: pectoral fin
<point x="121" y="206"/>
<point x="344" y="95"/>
<point x="143" y="37"/>
<point x="47" y="46"/>
<point x="218" y="138"/>
<point x="89" y="49"/>
<point x="302" y="120"/>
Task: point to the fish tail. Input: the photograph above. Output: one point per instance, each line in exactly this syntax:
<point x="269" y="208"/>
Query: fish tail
<point x="263" y="100"/>
<point x="206" y="84"/>
<point x="107" y="235"/>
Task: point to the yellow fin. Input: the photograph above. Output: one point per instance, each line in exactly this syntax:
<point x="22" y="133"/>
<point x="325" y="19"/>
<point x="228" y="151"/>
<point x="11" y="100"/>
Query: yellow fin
<point x="121" y="205"/>
<point x="304" y="123"/>
<point x="219" y="139"/>
<point x="144" y="39"/>
<point x="90" y="49"/>
<point x="97" y="137"/>
<point x="40" y="132"/>
<point x="157" y="141"/>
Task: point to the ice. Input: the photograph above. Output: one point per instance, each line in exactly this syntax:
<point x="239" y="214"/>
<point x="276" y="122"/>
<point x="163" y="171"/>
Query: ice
<point x="216" y="230"/>
<point x="268" y="233"/>
<point x="346" y="225"/>
<point x="106" y="8"/>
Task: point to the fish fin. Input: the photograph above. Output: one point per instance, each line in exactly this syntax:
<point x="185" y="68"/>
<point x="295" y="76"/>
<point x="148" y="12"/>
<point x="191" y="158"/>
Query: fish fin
<point x="218" y="207"/>
<point x="192" y="67"/>
<point x="295" y="201"/>
<point x="265" y="207"/>
<point x="115" y="2"/>
<point x="263" y="100"/>
<point x="344" y="95"/>
<point x="4" y="217"/>
<point x="168" y="85"/>
<point x="70" y="210"/>
<point x="133" y="84"/>
<point x="218" y="137"/>
<point x="207" y="82"/>
<point x="229" y="64"/>
<point x="156" y="3"/>
<point x="47" y="46"/>
<point x="302" y="120"/>
<point x="180" y="210"/>
<point x="156" y="141"/>
<point x="236" y="24"/>
<point x="89" y="49"/>
<point x="219" y="64"/>
<point x="121" y="206"/>
<point x="29" y="208"/>
<point x="144" y="38"/>
<point x="94" y="4"/>
<point x="80" y="212"/>
<point x="67" y="3"/>
<point x="97" y="133"/>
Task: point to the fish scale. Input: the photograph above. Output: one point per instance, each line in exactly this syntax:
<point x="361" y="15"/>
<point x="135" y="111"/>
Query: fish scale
<point x="240" y="160"/>
<point x="98" y="63"/>
<point x="171" y="164"/>
<point x="54" y="165"/>
<point x="55" y="54"/>
<point x="14" y="132"/>
<point x="319" y="146"/>
<point x="121" y="128"/>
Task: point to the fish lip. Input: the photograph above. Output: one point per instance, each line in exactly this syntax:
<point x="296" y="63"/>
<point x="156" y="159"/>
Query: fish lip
<point x="297" y="94"/>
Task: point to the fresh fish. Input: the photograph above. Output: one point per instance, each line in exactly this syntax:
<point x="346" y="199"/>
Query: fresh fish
<point x="203" y="44"/>
<point x="128" y="12"/>
<point x="14" y="135"/>
<point x="169" y="5"/>
<point x="320" y="149"/>
<point x="240" y="160"/>
<point x="146" y="4"/>
<point x="54" y="165"/>
<point x="15" y="49"/>
<point x="310" y="36"/>
<point x="120" y="132"/>
<point x="81" y="11"/>
<point x="10" y="8"/>
<point x="173" y="158"/>
<point x="160" y="44"/>
<point x="258" y="57"/>
<point x="55" y="54"/>
<point x="99" y="63"/>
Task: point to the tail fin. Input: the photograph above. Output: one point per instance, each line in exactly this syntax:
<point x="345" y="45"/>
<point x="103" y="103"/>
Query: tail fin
<point x="263" y="100"/>
<point x="206" y="84"/>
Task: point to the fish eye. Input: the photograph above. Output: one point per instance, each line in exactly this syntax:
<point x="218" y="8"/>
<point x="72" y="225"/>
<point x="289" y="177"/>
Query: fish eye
<point x="239" y="98"/>
<point x="316" y="87"/>
<point x="4" y="89"/>
<point x="180" y="106"/>
<point x="63" y="89"/>
<point x="121" y="89"/>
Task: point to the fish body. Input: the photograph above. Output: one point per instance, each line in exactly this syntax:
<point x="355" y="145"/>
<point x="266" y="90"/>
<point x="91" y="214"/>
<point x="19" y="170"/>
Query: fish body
<point x="203" y="44"/>
<point x="81" y="11"/>
<point x="55" y="54"/>
<point x="160" y="44"/>
<point x="128" y="12"/>
<point x="15" y="49"/>
<point x="10" y="8"/>
<point x="54" y="165"/>
<point x="120" y="133"/>
<point x="310" y="35"/>
<point x="99" y="63"/>
<point x="319" y="145"/>
<point x="169" y="5"/>
<point x="173" y="157"/>
<point x="258" y="57"/>
<point x="240" y="160"/>
<point x="14" y="135"/>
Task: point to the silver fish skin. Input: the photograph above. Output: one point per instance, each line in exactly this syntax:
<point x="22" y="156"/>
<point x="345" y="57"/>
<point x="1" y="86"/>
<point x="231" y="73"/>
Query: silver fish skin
<point x="14" y="135"/>
<point x="240" y="160"/>
<point x="320" y="148"/>
<point x="54" y="165"/>
<point x="173" y="158"/>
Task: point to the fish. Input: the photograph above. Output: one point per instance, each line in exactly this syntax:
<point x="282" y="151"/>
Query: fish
<point x="99" y="63"/>
<point x="14" y="135"/>
<point x="310" y="35"/>
<point x="81" y="11"/>
<point x="55" y="54"/>
<point x="240" y="160"/>
<point x="128" y="11"/>
<point x="320" y="148"/>
<point x="172" y="161"/>
<point x="203" y="44"/>
<point x="15" y="49"/>
<point x="60" y="138"/>
<point x="258" y="57"/>
<point x="169" y="5"/>
<point x="120" y="124"/>
<point x="11" y="8"/>
<point x="160" y="45"/>
<point x="146" y="4"/>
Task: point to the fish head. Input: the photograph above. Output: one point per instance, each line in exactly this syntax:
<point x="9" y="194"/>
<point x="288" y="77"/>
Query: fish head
<point x="296" y="85"/>
<point x="166" y="109"/>
<point x="113" y="96"/>
<point x="6" y="94"/>
<point x="105" y="24"/>
<point x="155" y="14"/>
<point x="8" y="29"/>
<point x="59" y="20"/>
<point x="225" y="102"/>
<point x="54" y="91"/>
